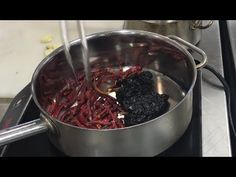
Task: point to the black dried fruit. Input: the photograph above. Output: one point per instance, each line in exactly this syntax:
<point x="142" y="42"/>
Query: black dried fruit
<point x="145" y="108"/>
<point x="135" y="85"/>
<point x="138" y="96"/>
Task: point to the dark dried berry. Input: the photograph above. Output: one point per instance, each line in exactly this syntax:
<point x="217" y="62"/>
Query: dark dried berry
<point x="138" y="96"/>
<point x="145" y="108"/>
<point x="135" y="85"/>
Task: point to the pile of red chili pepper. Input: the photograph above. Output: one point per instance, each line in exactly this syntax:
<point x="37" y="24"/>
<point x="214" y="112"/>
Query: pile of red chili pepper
<point x="84" y="106"/>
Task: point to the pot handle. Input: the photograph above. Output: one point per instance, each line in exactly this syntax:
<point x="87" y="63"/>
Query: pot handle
<point x="198" y="24"/>
<point x="194" y="48"/>
<point x="22" y="131"/>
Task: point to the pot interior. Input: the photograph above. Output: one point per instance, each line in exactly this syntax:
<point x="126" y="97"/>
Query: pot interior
<point x="171" y="65"/>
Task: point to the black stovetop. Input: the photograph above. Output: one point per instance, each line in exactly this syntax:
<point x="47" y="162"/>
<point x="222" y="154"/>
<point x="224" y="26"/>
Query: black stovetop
<point x="190" y="144"/>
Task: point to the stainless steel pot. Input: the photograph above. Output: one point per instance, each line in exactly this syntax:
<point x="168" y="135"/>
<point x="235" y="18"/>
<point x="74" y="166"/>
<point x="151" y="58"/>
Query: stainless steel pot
<point x="176" y="76"/>
<point x="189" y="30"/>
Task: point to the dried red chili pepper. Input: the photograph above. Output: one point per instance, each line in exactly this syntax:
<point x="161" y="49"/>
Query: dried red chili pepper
<point x="88" y="107"/>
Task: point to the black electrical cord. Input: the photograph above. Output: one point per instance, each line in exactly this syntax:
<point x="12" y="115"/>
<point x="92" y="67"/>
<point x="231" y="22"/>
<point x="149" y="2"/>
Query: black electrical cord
<point x="227" y="93"/>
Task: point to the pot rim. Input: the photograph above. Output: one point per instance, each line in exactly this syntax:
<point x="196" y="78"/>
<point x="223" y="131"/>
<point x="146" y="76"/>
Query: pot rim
<point x="107" y="33"/>
<point x="159" y="22"/>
